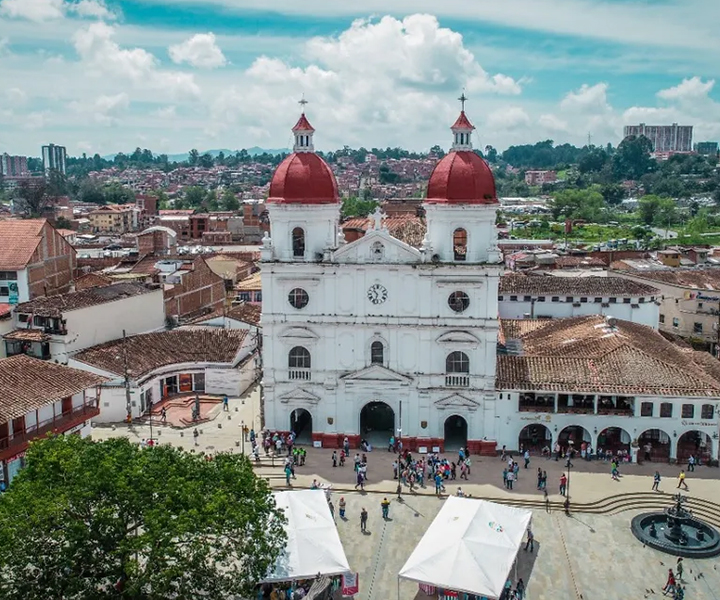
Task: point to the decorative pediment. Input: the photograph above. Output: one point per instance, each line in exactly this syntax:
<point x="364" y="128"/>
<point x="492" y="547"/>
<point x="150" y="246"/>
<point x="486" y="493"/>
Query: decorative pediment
<point x="376" y="374"/>
<point x="298" y="333"/>
<point x="457" y="401"/>
<point x="458" y="338"/>
<point x="377" y="246"/>
<point x="299" y="395"/>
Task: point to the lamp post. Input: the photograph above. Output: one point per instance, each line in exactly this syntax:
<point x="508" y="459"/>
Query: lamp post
<point x="242" y="435"/>
<point x="567" y="487"/>
<point x="150" y="407"/>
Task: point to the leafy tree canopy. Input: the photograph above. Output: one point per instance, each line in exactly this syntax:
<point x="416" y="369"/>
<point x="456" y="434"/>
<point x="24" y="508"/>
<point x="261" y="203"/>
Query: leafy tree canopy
<point x="356" y="207"/>
<point x="111" y="520"/>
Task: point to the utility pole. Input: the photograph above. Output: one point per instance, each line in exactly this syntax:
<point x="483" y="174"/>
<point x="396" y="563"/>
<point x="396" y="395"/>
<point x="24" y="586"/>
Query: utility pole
<point x="126" y="374"/>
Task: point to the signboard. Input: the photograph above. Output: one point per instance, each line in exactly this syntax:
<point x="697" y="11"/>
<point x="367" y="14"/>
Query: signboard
<point x="13" y="292"/>
<point x="350" y="584"/>
<point x="422" y="449"/>
<point x="317" y="444"/>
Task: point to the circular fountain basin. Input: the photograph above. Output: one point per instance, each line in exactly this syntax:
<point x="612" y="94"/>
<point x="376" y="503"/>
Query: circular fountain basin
<point x="680" y="536"/>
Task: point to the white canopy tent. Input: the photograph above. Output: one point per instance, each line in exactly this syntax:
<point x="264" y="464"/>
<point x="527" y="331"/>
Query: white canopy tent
<point x="313" y="544"/>
<point x="469" y="547"/>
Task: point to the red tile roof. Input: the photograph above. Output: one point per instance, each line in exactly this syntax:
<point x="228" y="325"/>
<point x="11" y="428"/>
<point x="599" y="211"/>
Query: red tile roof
<point x="303" y="124"/>
<point x="462" y="122"/>
<point x="18" y="241"/>
<point x="150" y="351"/>
<point x="519" y="283"/>
<point x="5" y="310"/>
<point x="247" y="313"/>
<point x="27" y="384"/>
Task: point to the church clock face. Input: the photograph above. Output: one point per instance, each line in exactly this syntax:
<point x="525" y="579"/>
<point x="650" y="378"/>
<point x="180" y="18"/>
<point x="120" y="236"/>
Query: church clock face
<point x="377" y="294"/>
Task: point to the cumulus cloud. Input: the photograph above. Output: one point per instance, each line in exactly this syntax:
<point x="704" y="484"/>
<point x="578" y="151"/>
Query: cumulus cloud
<point x="104" y="109"/>
<point x="201" y="50"/>
<point x="552" y="123"/>
<point x="48" y="10"/>
<point x="587" y="99"/>
<point x="15" y="96"/>
<point x="689" y="90"/>
<point x="508" y="118"/>
<point x="103" y="56"/>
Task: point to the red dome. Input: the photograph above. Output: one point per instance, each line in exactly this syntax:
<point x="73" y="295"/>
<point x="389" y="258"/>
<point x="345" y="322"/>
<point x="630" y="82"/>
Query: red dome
<point x="303" y="178"/>
<point x="462" y="177"/>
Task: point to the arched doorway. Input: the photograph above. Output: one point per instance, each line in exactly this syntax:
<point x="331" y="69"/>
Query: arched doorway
<point x="613" y="440"/>
<point x="534" y="438"/>
<point x="697" y="443"/>
<point x="456" y="433"/>
<point x="377" y="424"/>
<point x="655" y="445"/>
<point x="573" y="437"/>
<point x="301" y="425"/>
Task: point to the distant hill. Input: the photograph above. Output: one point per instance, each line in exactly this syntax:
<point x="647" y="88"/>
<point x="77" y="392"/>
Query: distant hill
<point x="255" y="150"/>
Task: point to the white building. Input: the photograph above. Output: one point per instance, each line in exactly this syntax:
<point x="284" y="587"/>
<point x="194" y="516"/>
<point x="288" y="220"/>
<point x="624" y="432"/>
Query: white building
<point x="545" y="296"/>
<point x="154" y="366"/>
<point x="55" y="327"/>
<point x="606" y="383"/>
<point x="369" y="338"/>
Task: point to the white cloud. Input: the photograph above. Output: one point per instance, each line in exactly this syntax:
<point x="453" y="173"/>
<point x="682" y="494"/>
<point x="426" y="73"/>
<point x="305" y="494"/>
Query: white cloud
<point x="104" y="57"/>
<point x="201" y="50"/>
<point x="4" y="46"/>
<point x="15" y="96"/>
<point x="33" y="10"/>
<point x="552" y="123"/>
<point x="104" y="109"/>
<point x="508" y="118"/>
<point x="166" y="112"/>
<point x="689" y="89"/>
<point x="588" y="99"/>
<point x="48" y="10"/>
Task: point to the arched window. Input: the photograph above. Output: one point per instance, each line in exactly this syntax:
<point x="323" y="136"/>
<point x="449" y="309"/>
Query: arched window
<point x="457" y="362"/>
<point x="299" y="358"/>
<point x="377" y="353"/>
<point x="460" y="244"/>
<point x="298" y="242"/>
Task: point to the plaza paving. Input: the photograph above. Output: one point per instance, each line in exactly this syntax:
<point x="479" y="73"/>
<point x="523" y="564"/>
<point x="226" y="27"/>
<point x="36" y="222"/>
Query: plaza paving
<point x="586" y="556"/>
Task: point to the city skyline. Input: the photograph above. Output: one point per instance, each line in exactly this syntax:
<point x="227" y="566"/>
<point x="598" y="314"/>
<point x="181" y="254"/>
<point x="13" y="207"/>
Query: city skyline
<point x="170" y="76"/>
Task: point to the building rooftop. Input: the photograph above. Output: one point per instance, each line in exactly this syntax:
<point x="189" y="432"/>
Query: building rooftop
<point x="54" y="306"/>
<point x="29" y="383"/>
<point x="150" y="351"/>
<point x="251" y="283"/>
<point x="517" y="283"/>
<point x="18" y="240"/>
<point x="601" y="355"/>
<point x="247" y="313"/>
<point x="700" y="279"/>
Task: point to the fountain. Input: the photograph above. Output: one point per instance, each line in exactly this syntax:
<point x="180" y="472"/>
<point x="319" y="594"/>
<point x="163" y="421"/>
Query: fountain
<point x="676" y="531"/>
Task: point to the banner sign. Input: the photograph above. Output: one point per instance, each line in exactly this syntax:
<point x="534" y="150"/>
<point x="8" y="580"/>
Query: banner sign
<point x="350" y="584"/>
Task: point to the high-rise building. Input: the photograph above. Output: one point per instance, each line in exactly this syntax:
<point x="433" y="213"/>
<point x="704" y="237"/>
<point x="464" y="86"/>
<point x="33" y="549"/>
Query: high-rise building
<point x="664" y="138"/>
<point x="53" y="158"/>
<point x="13" y="166"/>
<point x="706" y="148"/>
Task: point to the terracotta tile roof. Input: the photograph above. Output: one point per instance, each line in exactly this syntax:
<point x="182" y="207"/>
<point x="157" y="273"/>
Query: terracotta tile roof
<point x="462" y="122"/>
<point x="29" y="383"/>
<point x="588" y="354"/>
<point x="516" y="328"/>
<point x="519" y="283"/>
<point x="91" y="280"/>
<point x="18" y="241"/>
<point x="151" y="351"/>
<point x="406" y="227"/>
<point x="251" y="283"/>
<point x="27" y="335"/>
<point x="567" y="262"/>
<point x="701" y="279"/>
<point x="247" y="313"/>
<point x="6" y="310"/>
<point x="54" y="306"/>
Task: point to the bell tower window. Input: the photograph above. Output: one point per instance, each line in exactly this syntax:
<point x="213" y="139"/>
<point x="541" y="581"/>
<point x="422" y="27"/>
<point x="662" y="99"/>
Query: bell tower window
<point x="298" y="242"/>
<point x="460" y="244"/>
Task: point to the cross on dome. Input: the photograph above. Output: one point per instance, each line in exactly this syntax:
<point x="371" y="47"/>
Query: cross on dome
<point x="303" y="131"/>
<point x="462" y="128"/>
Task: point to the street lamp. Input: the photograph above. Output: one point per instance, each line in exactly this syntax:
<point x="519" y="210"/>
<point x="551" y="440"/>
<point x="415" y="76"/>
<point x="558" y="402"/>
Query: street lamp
<point x="150" y="407"/>
<point x="242" y="435"/>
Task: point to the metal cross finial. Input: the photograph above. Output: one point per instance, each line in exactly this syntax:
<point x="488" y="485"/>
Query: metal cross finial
<point x="302" y="102"/>
<point x="463" y="99"/>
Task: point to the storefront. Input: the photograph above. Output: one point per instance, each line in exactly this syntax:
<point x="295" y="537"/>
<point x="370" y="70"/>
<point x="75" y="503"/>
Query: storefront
<point x="182" y="383"/>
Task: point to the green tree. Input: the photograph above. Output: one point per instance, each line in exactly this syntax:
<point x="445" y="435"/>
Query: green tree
<point x="194" y="196"/>
<point x="230" y="201"/>
<point x="666" y="213"/>
<point x="648" y="207"/>
<point x="632" y="157"/>
<point x="612" y="193"/>
<point x="578" y="204"/>
<point x="91" y="191"/>
<point x="63" y="223"/>
<point x="193" y="157"/>
<point x="356" y="207"/>
<point x="29" y="198"/>
<point x="108" y="520"/>
<point x="206" y="160"/>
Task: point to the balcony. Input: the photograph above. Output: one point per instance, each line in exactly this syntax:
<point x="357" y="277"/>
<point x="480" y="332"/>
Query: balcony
<point x="17" y="441"/>
<point x="299" y="374"/>
<point x="536" y="403"/>
<point x="457" y="381"/>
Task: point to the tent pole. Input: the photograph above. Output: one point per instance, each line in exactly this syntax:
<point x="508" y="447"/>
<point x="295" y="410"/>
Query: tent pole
<point x="398" y="596"/>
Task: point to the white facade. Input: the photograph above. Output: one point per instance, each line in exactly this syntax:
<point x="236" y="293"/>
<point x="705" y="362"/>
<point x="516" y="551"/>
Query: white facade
<point x="637" y="309"/>
<point x="378" y="290"/>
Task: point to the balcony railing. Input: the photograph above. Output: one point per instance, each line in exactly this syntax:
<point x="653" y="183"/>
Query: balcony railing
<point x="19" y="439"/>
<point x="299" y="374"/>
<point x="577" y="410"/>
<point x="457" y="381"/>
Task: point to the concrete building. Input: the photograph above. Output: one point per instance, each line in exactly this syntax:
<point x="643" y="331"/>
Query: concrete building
<point x="606" y="384"/>
<point x="35" y="260"/>
<point x="374" y="337"/>
<point x="13" y="166"/>
<point x="56" y="327"/>
<point x="707" y="148"/>
<point x="165" y="364"/>
<point x="540" y="177"/>
<point x="54" y="158"/>
<point x="37" y="398"/>
<point x="553" y="297"/>
<point x="114" y="218"/>
<point x="665" y="138"/>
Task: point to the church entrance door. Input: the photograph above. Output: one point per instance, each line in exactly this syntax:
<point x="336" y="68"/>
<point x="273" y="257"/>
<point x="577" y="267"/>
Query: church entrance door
<point x="456" y="429"/>
<point x="377" y="424"/>
<point x="301" y="425"/>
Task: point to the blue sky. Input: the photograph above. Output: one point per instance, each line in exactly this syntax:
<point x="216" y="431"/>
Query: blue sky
<point x="104" y="76"/>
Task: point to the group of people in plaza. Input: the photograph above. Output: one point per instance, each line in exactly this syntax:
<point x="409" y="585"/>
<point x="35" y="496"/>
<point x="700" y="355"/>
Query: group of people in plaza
<point x="673" y="586"/>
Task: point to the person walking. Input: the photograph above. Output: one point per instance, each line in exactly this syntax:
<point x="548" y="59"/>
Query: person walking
<point x="510" y="479"/>
<point x="679" y="568"/>
<point x="196" y="433"/>
<point x="385" y="507"/>
<point x="526" y="457"/>
<point x="341" y="507"/>
<point x="163" y="415"/>
<point x="681" y="480"/>
<point x="656" y="481"/>
<point x="691" y="464"/>
<point x="334" y="458"/>
<point x="288" y="473"/>
<point x="520" y="589"/>
<point x="226" y="408"/>
<point x="346" y="446"/>
<point x="360" y="481"/>
<point x="363" y="520"/>
<point x="505" y="474"/>
<point x="530" y="540"/>
<point x="539" y="478"/>
<point x="563" y="484"/>
<point x="547" y="500"/>
<point x="670" y="584"/>
<point x="332" y="509"/>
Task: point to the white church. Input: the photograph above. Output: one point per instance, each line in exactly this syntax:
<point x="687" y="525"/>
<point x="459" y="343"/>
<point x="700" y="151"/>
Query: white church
<point x="373" y="338"/>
